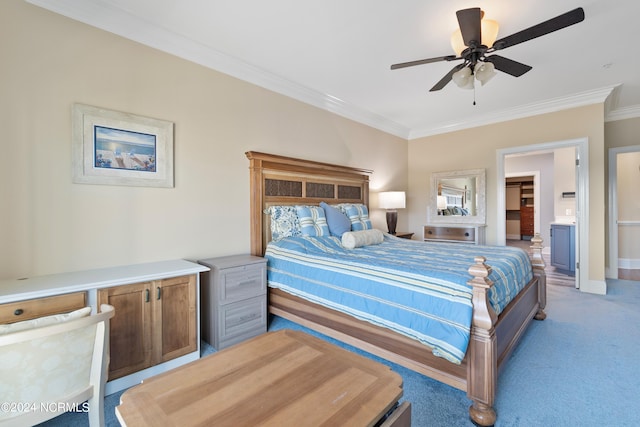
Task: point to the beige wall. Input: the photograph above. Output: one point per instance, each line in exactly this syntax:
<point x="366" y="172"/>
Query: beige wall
<point x="476" y="148"/>
<point x="49" y="225"/>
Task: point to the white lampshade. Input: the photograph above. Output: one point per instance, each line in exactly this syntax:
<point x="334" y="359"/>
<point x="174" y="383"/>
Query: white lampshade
<point x="391" y="200"/>
<point x="463" y="78"/>
<point x="489" y="29"/>
<point x="442" y="202"/>
<point x="484" y="71"/>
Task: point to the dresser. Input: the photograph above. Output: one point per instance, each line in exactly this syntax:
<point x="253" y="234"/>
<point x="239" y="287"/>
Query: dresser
<point x="526" y="222"/>
<point x="155" y="327"/>
<point x="458" y="233"/>
<point x="234" y="299"/>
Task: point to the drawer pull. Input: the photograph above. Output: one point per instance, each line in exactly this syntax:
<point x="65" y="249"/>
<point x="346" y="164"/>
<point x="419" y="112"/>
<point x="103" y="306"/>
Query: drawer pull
<point x="429" y="232"/>
<point x="466" y="234"/>
<point x="18" y="312"/>
<point x="158" y="292"/>
<point x="247" y="282"/>
<point x="146" y="295"/>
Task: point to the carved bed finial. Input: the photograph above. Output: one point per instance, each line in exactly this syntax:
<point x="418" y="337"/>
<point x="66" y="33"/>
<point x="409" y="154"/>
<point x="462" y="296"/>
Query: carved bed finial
<point x="538" y="264"/>
<point x="483" y="315"/>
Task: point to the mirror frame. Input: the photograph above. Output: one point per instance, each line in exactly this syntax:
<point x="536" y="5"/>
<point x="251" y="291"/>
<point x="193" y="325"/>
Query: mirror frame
<point x="432" y="211"/>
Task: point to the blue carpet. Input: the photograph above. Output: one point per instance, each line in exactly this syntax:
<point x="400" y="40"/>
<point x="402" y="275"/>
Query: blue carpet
<point x="576" y="368"/>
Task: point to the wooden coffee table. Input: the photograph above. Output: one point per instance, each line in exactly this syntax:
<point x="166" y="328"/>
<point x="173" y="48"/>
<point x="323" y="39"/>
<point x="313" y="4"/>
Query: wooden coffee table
<point x="282" y="378"/>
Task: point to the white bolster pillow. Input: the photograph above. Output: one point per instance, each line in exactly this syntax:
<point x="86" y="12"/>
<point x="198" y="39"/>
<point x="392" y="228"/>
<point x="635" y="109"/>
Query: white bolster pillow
<point x="356" y="239"/>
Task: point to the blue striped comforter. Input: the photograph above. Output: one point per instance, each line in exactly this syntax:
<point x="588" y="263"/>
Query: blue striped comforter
<point x="418" y="289"/>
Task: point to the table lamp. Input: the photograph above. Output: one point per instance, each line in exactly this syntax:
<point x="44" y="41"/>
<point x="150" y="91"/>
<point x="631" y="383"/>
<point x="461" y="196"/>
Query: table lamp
<point x="391" y="201"/>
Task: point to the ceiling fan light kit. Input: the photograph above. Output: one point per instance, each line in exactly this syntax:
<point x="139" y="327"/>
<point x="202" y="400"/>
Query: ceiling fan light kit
<point x="475" y="44"/>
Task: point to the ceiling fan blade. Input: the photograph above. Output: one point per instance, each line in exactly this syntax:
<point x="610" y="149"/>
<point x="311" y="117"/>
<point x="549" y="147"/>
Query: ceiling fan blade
<point x="447" y="78"/>
<point x="508" y="66"/>
<point x="423" y="61"/>
<point x="554" y="24"/>
<point x="469" y="22"/>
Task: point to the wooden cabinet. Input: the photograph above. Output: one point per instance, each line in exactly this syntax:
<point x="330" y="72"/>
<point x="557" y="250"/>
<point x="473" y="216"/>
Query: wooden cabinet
<point x="155" y="321"/>
<point x="234" y="299"/>
<point x="473" y="234"/>
<point x="147" y="338"/>
<point x="39" y="307"/>
<point x="526" y="222"/>
<point x="563" y="254"/>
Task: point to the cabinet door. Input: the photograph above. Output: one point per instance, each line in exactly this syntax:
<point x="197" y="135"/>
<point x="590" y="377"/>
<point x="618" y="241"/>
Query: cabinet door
<point x="174" y="323"/>
<point x="561" y="247"/>
<point x="130" y="328"/>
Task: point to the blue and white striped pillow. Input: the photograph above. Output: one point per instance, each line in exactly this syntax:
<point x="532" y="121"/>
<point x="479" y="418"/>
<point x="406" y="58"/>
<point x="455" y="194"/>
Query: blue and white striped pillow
<point x="359" y="217"/>
<point x="312" y="221"/>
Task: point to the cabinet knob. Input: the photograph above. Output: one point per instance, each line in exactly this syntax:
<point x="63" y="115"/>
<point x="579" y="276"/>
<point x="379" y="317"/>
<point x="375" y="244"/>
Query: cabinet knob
<point x="466" y="234"/>
<point x="18" y="312"/>
<point x="429" y="232"/>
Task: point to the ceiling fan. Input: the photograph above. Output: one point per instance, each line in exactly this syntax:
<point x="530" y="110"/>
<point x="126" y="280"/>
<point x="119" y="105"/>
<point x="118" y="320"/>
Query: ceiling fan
<point x="476" y="55"/>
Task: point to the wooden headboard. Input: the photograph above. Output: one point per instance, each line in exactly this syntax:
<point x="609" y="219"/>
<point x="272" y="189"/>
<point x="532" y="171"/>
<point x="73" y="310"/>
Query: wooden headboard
<point x="279" y="180"/>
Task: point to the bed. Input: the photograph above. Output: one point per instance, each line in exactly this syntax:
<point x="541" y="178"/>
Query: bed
<point x="278" y="181"/>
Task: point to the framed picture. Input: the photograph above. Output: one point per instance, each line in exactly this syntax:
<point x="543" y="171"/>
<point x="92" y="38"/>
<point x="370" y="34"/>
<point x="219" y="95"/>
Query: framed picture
<point x="114" y="148"/>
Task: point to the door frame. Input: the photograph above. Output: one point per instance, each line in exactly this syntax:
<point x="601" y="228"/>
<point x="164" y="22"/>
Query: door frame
<point x="612" y="270"/>
<point x="582" y="201"/>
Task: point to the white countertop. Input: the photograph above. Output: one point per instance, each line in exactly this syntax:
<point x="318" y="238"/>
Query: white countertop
<point x="54" y="284"/>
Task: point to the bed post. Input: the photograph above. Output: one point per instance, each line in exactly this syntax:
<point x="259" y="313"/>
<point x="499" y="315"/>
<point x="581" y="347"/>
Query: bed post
<point x="256" y="201"/>
<point x="538" y="270"/>
<point x="482" y="354"/>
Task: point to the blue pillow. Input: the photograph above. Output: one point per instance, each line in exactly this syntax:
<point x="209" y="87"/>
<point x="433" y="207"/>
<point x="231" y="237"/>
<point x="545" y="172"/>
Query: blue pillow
<point x="312" y="221"/>
<point x="359" y="217"/>
<point x="338" y="222"/>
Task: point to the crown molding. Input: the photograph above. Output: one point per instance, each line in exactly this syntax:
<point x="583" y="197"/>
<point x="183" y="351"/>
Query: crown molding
<point x="107" y="17"/>
<point x="623" y="113"/>
<point x="114" y="20"/>
<point x="549" y="106"/>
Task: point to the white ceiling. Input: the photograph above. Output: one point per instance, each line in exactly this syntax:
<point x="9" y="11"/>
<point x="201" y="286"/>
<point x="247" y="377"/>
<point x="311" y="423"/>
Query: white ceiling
<point x="336" y="54"/>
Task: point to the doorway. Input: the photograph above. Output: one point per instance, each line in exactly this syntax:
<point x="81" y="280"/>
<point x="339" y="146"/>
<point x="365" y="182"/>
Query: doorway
<point x="624" y="218"/>
<point x="581" y="202"/>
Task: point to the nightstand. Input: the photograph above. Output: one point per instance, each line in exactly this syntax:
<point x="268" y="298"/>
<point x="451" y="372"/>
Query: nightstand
<point x="404" y="235"/>
<point x="233" y="299"/>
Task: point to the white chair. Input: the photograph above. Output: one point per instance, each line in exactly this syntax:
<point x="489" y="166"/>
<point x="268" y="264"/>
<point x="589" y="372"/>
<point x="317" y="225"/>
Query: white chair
<point x="48" y="370"/>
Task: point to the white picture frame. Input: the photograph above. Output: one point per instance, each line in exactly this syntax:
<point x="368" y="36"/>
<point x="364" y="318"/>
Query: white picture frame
<point x="114" y="148"/>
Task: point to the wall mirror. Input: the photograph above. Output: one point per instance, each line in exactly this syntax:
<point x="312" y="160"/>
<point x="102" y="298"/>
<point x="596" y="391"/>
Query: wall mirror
<point x="457" y="197"/>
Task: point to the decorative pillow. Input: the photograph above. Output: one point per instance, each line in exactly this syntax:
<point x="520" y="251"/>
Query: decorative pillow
<point x="284" y="221"/>
<point x="359" y="217"/>
<point x="44" y="321"/>
<point x="312" y="221"/>
<point x="337" y="221"/>
<point x="356" y="239"/>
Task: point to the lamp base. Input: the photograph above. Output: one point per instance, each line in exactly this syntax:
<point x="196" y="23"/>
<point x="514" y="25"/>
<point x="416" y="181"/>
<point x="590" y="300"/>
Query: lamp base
<point x="392" y="220"/>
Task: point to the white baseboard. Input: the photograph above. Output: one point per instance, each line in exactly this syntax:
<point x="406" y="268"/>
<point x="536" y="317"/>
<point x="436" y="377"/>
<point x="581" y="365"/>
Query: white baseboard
<point x="629" y="263"/>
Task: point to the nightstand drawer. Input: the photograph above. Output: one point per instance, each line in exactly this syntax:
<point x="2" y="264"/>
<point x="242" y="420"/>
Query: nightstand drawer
<point x="39" y="307"/>
<point x="462" y="234"/>
<point x="244" y="282"/>
<point x="241" y="320"/>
